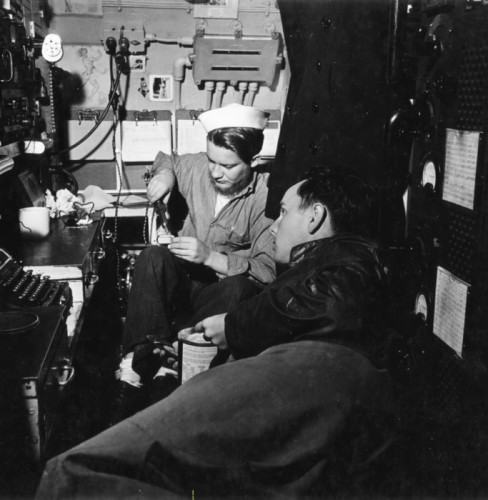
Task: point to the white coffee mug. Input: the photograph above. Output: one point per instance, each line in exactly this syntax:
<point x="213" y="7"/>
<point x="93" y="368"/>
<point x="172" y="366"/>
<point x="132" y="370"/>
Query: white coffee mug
<point x="34" y="222"/>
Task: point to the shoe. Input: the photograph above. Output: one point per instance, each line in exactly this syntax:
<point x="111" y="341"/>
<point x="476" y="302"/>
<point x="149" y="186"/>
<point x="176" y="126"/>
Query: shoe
<point x="128" y="400"/>
<point x="146" y="363"/>
<point x="162" y="387"/>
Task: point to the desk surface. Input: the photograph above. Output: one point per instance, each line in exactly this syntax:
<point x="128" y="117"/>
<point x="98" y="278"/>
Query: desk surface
<point x="64" y="246"/>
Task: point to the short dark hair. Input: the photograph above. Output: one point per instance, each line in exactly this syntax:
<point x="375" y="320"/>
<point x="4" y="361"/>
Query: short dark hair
<point x="245" y="142"/>
<point x="339" y="193"/>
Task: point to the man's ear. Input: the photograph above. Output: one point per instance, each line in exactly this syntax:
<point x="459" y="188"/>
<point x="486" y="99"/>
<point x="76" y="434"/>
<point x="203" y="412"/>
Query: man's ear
<point x="318" y="214"/>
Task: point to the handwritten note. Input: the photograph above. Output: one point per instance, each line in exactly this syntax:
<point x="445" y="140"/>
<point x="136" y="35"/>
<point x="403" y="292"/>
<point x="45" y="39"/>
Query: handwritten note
<point x="450" y="309"/>
<point x="460" y="167"/>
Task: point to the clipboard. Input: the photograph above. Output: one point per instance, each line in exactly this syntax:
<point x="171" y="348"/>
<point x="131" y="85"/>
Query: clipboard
<point x="143" y="134"/>
<point x="99" y="145"/>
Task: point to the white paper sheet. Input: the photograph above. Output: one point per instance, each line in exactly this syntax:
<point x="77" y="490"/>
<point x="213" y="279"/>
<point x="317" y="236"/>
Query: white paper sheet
<point x="143" y="139"/>
<point x="460" y="167"/>
<point x="271" y="136"/>
<point x="191" y="137"/>
<point x="450" y="309"/>
<point x="97" y="147"/>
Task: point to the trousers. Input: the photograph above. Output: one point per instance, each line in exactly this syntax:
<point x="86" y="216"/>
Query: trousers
<point x="300" y="420"/>
<point x="168" y="293"/>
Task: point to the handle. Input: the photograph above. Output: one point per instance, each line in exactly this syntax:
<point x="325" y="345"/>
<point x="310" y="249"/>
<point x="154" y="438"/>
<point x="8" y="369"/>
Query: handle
<point x="5" y="51"/>
<point x="91" y="278"/>
<point x="65" y="374"/>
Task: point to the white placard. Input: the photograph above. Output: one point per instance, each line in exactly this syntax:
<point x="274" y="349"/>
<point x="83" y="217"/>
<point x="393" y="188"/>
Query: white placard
<point x="98" y="146"/>
<point x="191" y="137"/>
<point x="460" y="167"/>
<point x="223" y="9"/>
<point x="271" y="136"/>
<point x="451" y="296"/>
<point x="143" y="139"/>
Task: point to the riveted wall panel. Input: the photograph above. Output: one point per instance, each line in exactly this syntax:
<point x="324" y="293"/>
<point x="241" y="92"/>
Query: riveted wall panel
<point x="342" y="91"/>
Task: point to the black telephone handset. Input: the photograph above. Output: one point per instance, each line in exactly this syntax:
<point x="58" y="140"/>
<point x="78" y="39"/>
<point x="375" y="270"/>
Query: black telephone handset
<point x="160" y="207"/>
<point x="161" y="211"/>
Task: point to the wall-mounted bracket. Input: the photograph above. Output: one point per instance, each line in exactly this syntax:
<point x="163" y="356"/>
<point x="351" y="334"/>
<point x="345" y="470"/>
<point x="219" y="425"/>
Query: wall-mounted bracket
<point x="88" y="114"/>
<point x="146" y="116"/>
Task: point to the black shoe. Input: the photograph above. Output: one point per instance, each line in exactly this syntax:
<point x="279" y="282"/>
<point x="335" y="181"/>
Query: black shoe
<point x="162" y="387"/>
<point x="128" y="400"/>
<point x="145" y="363"/>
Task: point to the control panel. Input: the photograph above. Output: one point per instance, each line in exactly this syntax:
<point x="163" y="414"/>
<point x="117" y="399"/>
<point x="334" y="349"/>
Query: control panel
<point x="447" y="199"/>
<point x="20" y="83"/>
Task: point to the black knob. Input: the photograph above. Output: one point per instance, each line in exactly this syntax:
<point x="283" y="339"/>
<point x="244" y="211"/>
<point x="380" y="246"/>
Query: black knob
<point x="111" y="44"/>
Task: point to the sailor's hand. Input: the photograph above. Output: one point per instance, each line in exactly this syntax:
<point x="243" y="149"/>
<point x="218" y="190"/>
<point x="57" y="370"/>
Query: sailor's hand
<point x="158" y="188"/>
<point x="190" y="249"/>
<point x="172" y="349"/>
<point x="213" y="329"/>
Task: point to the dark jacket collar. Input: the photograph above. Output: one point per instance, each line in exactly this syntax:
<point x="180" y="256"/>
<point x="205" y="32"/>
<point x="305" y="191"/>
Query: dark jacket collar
<point x="300" y="252"/>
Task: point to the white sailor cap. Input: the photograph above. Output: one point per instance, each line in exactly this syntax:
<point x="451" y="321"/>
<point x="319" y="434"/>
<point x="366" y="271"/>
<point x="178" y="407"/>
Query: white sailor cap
<point x="234" y="115"/>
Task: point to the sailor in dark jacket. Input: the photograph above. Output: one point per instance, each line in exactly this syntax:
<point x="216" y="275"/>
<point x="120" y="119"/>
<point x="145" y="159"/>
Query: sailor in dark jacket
<point x="334" y="289"/>
<point x="302" y="410"/>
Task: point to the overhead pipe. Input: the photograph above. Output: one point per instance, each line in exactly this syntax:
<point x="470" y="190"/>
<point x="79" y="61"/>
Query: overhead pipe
<point x="182" y="42"/>
<point x="253" y="90"/>
<point x="219" y="93"/>
<point x="209" y="87"/>
<point x="241" y="92"/>
<point x="179" y="66"/>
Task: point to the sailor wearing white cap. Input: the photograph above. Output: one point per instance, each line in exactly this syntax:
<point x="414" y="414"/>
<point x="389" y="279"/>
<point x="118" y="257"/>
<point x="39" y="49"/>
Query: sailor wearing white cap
<point x="222" y="253"/>
<point x="234" y="115"/>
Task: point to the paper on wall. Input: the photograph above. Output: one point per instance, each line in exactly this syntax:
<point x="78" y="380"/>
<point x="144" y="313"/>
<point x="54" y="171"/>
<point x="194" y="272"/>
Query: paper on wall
<point x="451" y="296"/>
<point x="460" y="167"/>
<point x="143" y="139"/>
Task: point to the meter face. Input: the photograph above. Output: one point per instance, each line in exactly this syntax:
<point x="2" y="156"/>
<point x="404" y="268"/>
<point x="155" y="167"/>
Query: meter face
<point x="421" y="306"/>
<point x="429" y="175"/>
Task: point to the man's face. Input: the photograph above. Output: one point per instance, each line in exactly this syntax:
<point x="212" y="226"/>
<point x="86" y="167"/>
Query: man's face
<point x="229" y="174"/>
<point x="291" y="227"/>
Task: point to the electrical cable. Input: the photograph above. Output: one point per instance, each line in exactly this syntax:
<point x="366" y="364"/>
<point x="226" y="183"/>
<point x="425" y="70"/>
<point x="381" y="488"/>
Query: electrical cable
<point x="104" y="114"/>
<point x="114" y="85"/>
<point x="119" y="169"/>
<point x="51" y="99"/>
<point x="145" y="227"/>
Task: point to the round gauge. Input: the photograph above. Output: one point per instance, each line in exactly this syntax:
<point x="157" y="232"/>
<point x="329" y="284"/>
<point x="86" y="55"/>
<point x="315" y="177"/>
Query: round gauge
<point x="422" y="306"/>
<point x="429" y="175"/>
